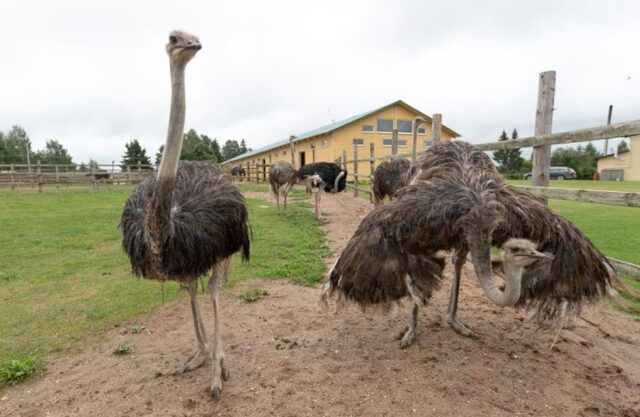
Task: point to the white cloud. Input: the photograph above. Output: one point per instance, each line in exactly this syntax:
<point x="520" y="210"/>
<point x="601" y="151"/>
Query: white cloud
<point x="95" y="75"/>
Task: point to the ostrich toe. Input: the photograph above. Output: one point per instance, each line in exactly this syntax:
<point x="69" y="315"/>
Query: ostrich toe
<point x="220" y="373"/>
<point x="196" y="360"/>
<point x="460" y="328"/>
<point x="408" y="337"/>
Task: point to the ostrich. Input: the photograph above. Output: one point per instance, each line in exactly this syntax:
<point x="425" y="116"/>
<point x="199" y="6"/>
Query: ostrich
<point x="458" y="202"/>
<point x="282" y="177"/>
<point x="388" y="178"/>
<point x="325" y="176"/>
<point x="238" y="172"/>
<point x="187" y="220"/>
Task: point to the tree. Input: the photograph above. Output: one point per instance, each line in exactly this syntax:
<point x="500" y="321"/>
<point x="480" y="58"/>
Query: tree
<point x="509" y="160"/>
<point x="581" y="159"/>
<point x="196" y="147"/>
<point x="16" y="147"/>
<point x="231" y="149"/>
<point x="243" y="146"/>
<point x="53" y="153"/>
<point x="623" y="146"/>
<point x="134" y="154"/>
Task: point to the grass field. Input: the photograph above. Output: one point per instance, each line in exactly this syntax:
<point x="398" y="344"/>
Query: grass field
<point x="64" y="276"/>
<point x="623" y="186"/>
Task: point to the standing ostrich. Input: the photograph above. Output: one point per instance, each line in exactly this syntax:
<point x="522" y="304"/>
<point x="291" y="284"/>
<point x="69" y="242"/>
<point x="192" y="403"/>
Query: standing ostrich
<point x="187" y="220"/>
<point x="458" y="202"/>
<point x="238" y="172"/>
<point x="282" y="177"/>
<point x="388" y="178"/>
<point x="325" y="176"/>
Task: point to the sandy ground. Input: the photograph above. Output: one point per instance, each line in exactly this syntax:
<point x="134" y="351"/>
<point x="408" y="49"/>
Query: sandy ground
<point x="289" y="358"/>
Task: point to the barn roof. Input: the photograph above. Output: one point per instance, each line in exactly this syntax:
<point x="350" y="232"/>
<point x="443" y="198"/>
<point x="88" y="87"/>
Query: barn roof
<point x="335" y="126"/>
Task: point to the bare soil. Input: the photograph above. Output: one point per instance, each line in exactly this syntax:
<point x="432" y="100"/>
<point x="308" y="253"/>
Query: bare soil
<point x="289" y="358"/>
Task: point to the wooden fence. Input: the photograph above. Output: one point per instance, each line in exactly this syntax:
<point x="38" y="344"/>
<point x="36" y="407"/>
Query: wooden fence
<point x="41" y="175"/>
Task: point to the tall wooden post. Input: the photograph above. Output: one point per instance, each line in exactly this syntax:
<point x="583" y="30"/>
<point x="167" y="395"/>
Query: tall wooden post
<point x="436" y="126"/>
<point x="606" y="141"/>
<point x="417" y="121"/>
<point x="39" y="177"/>
<point x="355" y="169"/>
<point x="92" y="175"/>
<point x="57" y="175"/>
<point x="129" y="174"/>
<point x="293" y="151"/>
<point x="544" y="121"/>
<point x="344" y="160"/>
<point x="372" y="163"/>
<point x="394" y="142"/>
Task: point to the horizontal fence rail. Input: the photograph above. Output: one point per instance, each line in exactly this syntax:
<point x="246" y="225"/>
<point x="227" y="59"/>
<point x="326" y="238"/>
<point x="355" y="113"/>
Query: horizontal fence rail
<point x="616" y="130"/>
<point x="588" y="196"/>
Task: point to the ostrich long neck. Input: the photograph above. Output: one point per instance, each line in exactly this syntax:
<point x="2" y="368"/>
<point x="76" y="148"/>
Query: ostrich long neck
<point x="513" y="282"/>
<point x="173" y="146"/>
<point x="160" y="210"/>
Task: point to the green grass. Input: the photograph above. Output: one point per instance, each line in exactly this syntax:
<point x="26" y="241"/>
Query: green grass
<point x="629" y="186"/>
<point x="63" y="275"/>
<point x="252" y="295"/>
<point x="122" y="349"/>
<point x="17" y="370"/>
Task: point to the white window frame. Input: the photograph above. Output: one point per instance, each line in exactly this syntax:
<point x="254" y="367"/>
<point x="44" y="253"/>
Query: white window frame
<point x="353" y="142"/>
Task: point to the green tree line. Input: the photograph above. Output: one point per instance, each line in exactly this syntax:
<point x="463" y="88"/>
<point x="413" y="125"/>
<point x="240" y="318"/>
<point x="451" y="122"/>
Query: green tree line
<point x="15" y="148"/>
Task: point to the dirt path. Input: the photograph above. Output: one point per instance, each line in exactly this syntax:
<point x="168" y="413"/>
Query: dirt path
<point x="288" y="358"/>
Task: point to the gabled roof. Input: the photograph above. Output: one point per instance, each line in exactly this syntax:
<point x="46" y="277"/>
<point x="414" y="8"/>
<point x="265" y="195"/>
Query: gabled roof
<point x="612" y="154"/>
<point x="335" y="126"/>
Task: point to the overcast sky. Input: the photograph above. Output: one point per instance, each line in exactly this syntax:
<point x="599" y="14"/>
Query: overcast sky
<point x="94" y="75"/>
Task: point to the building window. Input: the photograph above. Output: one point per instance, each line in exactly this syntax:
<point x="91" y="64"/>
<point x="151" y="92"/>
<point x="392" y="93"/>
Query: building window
<point x="385" y="125"/>
<point x="387" y="143"/>
<point x="404" y="126"/>
<point x="284" y="153"/>
<point x="422" y="130"/>
<point x="358" y="142"/>
<point x="325" y="143"/>
<point x="428" y="143"/>
<point x="367" y="128"/>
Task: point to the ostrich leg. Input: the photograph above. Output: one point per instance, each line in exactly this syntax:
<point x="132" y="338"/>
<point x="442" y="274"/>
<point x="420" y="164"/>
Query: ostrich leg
<point x="200" y="356"/>
<point x="287" y="187"/>
<point x="318" y="196"/>
<point x="219" y="370"/>
<point x="459" y="258"/>
<point x="408" y="334"/>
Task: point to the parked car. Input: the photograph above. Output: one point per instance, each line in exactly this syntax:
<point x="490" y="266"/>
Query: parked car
<point x="557" y="173"/>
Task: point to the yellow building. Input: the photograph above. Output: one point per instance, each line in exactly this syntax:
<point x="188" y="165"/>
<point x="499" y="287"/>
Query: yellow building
<point x="623" y="166"/>
<point x="327" y="143"/>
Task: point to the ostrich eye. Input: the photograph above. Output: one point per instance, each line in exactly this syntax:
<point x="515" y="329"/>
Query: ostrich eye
<point x="173" y="40"/>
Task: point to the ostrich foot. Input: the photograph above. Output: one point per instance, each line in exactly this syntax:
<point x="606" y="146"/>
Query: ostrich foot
<point x="195" y="361"/>
<point x="460" y="328"/>
<point x="406" y="337"/>
<point x="220" y="373"/>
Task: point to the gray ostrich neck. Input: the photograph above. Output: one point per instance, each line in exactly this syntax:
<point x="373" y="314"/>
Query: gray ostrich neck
<point x="160" y="212"/>
<point x="173" y="146"/>
<point x="513" y="282"/>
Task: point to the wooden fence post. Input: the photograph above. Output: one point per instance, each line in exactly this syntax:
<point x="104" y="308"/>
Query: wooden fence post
<point x="372" y="167"/>
<point x="39" y="177"/>
<point x="394" y="142"/>
<point x="344" y="159"/>
<point x="355" y="169"/>
<point x="13" y="178"/>
<point x="544" y="121"/>
<point x="57" y="176"/>
<point x="436" y="121"/>
<point x="417" y="121"/>
<point x="92" y="175"/>
<point x="129" y="174"/>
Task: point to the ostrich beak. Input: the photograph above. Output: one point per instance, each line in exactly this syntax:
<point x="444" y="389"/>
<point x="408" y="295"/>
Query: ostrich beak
<point x="195" y="46"/>
<point x="539" y="255"/>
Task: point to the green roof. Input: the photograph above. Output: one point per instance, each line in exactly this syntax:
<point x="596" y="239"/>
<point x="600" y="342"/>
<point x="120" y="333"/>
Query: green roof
<point x="330" y="128"/>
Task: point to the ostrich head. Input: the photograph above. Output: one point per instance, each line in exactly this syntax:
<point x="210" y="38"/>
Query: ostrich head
<point x="182" y="47"/>
<point x="519" y="253"/>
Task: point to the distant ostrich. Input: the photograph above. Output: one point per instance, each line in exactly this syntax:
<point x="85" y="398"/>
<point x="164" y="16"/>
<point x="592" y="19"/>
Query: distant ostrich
<point x="458" y="202"/>
<point x="282" y="177"/>
<point x="388" y="178"/>
<point x="187" y="220"/>
<point x="238" y="172"/>
<point x="325" y="176"/>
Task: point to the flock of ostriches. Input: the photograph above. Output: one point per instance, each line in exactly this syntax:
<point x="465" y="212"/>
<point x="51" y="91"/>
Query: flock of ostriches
<point x="190" y="220"/>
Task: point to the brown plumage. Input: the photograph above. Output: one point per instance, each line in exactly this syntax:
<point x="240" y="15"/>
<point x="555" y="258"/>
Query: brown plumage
<point x="282" y="177"/>
<point x="388" y="178"/>
<point x="459" y="202"/>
